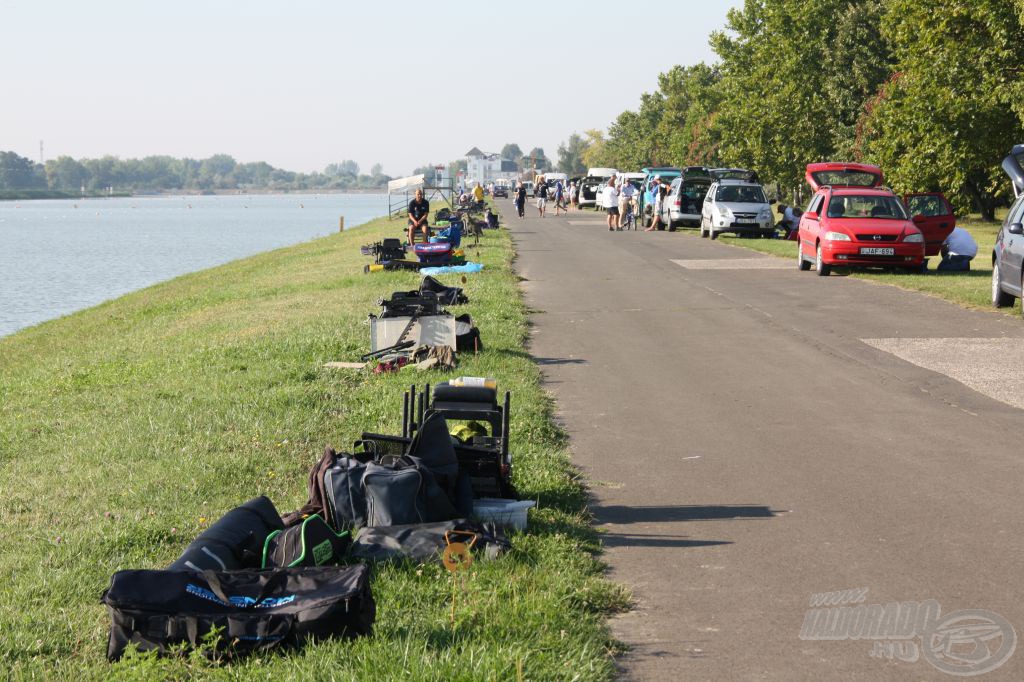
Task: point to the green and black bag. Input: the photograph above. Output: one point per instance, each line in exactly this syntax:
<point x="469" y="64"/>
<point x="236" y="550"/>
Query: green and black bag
<point x="309" y="543"/>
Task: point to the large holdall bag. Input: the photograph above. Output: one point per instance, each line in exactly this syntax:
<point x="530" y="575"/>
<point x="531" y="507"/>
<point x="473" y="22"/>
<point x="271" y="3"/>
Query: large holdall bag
<point x="234" y="541"/>
<point x="257" y="610"/>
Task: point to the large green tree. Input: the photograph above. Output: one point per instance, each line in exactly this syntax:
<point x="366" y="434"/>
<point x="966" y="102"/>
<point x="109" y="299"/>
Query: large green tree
<point x="795" y="75"/>
<point x="952" y="113"/>
<point x="570" y="155"/>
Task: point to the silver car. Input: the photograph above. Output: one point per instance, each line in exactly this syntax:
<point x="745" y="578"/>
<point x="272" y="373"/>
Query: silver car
<point x="739" y="207"/>
<point x="682" y="204"/>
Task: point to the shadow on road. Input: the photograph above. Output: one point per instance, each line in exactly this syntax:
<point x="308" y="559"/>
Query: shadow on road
<point x="668" y="513"/>
<point x="674" y="541"/>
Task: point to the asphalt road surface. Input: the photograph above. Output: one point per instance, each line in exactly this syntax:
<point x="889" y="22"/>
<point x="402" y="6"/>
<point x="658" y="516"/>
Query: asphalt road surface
<point x="754" y="435"/>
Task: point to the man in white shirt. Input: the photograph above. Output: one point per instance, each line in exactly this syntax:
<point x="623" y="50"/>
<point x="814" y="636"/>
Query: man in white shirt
<point x="610" y="202"/>
<point x="626" y="191"/>
<point x="958" y="251"/>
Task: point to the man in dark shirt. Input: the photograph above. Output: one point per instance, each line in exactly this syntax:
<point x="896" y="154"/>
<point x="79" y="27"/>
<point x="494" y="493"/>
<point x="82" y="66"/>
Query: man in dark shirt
<point x="419" y="210"/>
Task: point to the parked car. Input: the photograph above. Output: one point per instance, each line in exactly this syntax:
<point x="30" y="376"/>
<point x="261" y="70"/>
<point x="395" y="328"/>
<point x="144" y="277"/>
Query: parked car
<point x="500" y="191"/>
<point x="592" y="186"/>
<point x="737" y="206"/>
<point x="1008" y="253"/>
<point x="685" y="198"/>
<point x="853" y="220"/>
<point x="666" y="174"/>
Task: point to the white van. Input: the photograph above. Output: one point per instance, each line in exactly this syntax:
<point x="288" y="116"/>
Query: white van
<point x="592" y="185"/>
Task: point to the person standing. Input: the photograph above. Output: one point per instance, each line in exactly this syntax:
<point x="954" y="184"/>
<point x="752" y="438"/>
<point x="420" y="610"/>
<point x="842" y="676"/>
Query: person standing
<point x="542" y="196"/>
<point x="478" y="193"/>
<point x="610" y="201"/>
<point x="656" y="202"/>
<point x="958" y="251"/>
<point x="419" y="211"/>
<point x="626" y="191"/>
<point x="520" y="200"/>
<point x="574" y="196"/>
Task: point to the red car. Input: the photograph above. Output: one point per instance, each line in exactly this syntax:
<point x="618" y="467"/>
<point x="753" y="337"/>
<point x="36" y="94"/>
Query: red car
<point x="854" y="221"/>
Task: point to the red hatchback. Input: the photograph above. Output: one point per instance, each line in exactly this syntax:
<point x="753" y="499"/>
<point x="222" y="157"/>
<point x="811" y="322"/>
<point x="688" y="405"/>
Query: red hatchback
<point x="854" y="221"/>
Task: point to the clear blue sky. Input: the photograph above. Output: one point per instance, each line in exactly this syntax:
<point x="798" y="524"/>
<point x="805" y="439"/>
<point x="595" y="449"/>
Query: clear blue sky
<point x="304" y="83"/>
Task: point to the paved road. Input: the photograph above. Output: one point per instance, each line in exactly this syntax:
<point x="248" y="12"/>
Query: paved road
<point x="747" y="448"/>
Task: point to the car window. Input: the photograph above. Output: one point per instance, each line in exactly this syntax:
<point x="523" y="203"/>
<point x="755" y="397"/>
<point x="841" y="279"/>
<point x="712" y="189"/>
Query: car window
<point x="1016" y="213"/>
<point x="927" y="205"/>
<point x="741" y="194"/>
<point x="866" y="206"/>
<point x="815" y="205"/>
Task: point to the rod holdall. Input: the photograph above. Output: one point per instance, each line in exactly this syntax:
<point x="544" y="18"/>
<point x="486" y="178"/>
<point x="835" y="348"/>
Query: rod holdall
<point x="234" y="541"/>
<point x="253" y="610"/>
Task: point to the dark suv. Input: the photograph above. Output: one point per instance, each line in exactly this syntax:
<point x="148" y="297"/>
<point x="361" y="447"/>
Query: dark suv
<point x="1008" y="253"/>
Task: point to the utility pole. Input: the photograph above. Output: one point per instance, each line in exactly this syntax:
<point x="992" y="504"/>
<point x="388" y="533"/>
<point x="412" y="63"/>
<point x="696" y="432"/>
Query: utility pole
<point x="41" y="161"/>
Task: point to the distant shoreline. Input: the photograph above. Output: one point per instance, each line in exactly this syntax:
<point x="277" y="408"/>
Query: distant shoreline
<point x="39" y="194"/>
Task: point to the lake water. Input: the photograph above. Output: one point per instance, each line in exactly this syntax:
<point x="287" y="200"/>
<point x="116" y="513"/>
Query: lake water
<point x="60" y="256"/>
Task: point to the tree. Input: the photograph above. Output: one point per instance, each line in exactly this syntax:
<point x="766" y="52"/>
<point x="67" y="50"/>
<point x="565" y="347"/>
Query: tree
<point x="428" y="171"/>
<point x="18" y="172"/>
<point x="596" y="152"/>
<point x="512" y="152"/>
<point x="537" y="159"/>
<point x="65" y="173"/>
<point x="947" y="119"/>
<point x="376" y="170"/>
<point x="570" y="155"/>
<point x="794" y="77"/>
<point x="346" y="167"/>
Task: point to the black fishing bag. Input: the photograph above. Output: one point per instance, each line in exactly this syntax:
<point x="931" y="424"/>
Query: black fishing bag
<point x="427" y="541"/>
<point x="234" y="541"/>
<point x="254" y="610"/>
<point x="310" y="543"/>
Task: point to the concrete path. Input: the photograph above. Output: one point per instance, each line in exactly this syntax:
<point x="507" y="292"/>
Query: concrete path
<point x="754" y="436"/>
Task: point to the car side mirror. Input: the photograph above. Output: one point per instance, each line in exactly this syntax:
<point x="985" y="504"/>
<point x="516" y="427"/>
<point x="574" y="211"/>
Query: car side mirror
<point x="811" y="215"/>
<point x="772" y="202"/>
<point x="1015" y="228"/>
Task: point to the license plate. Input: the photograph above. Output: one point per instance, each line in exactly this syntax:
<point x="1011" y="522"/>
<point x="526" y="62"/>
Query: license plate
<point x="877" y="251"/>
<point x="746" y="222"/>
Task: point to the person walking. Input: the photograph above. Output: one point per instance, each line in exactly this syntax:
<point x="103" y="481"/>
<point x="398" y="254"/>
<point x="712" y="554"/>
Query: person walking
<point x="559" y="198"/>
<point x="520" y="200"/>
<point x="574" y="196"/>
<point x="542" y="197"/>
<point x="610" y="201"/>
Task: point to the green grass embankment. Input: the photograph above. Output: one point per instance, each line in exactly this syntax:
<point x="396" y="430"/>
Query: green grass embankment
<point x="970" y="289"/>
<point x="126" y="428"/>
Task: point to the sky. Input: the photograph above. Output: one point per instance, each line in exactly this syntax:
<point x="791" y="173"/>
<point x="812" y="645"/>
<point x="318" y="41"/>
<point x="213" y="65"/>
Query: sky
<point x="306" y="83"/>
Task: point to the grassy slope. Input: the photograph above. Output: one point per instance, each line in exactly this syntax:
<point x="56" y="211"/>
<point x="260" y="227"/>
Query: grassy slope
<point x="126" y="427"/>
<point x="970" y="289"/>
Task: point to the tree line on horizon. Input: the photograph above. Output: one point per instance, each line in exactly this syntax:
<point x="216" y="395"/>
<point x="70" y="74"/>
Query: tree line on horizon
<point x="166" y="173"/>
<point x="932" y="91"/>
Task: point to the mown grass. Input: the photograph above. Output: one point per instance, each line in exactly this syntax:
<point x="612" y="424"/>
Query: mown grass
<point x="125" y="428"/>
<point x="971" y="289"/>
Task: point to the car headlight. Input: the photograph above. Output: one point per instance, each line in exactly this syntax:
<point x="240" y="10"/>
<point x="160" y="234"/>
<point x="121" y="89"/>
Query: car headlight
<point x="837" y="237"/>
<point x="723" y="212"/>
<point x="915" y="238"/>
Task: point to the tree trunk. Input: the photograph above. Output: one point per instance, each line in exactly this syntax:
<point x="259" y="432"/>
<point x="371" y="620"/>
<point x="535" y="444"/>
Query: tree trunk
<point x="985" y="202"/>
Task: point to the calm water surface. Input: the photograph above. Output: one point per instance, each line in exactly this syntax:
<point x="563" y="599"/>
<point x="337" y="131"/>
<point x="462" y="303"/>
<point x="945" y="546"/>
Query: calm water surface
<point x="60" y="256"/>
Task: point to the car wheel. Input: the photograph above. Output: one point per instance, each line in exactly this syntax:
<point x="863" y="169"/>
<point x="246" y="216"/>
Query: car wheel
<point x="802" y="264"/>
<point x="713" y="235"/>
<point x="820" y="267"/>
<point x="1000" y="299"/>
<point x="703" y="234"/>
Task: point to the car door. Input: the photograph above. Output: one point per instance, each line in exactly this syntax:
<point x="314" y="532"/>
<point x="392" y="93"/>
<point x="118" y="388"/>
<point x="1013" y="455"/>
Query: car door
<point x="934" y="216"/>
<point x="705" y="212"/>
<point x="669" y="204"/>
<point x="1011" y="255"/>
<point x="808" y="233"/>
